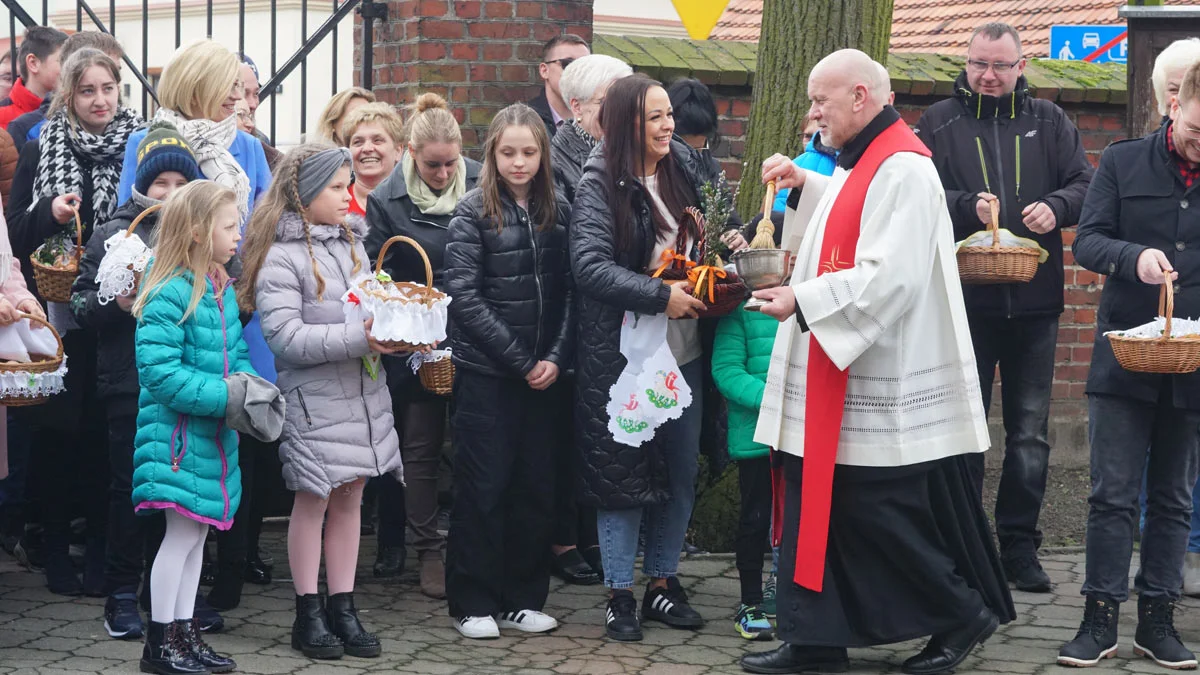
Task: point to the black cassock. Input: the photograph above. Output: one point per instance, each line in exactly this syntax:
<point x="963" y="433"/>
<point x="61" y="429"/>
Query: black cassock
<point x="910" y="555"/>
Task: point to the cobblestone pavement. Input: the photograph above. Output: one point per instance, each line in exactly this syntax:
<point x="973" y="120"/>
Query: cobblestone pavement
<point x="44" y="633"/>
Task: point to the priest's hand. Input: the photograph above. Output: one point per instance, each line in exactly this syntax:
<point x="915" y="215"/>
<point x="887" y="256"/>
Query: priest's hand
<point x="1039" y="218"/>
<point x="983" y="207"/>
<point x="782" y="302"/>
<point x="1154" y="268"/>
<point x="783" y="171"/>
<point x="682" y="305"/>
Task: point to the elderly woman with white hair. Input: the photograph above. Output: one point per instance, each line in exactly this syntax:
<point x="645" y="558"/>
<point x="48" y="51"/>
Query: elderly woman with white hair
<point x="1169" y="67"/>
<point x="583" y="85"/>
<point x="575" y="553"/>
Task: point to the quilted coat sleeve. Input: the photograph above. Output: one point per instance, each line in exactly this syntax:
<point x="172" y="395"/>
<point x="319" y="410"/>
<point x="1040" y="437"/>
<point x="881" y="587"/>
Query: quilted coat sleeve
<point x="562" y="350"/>
<point x="8" y="165"/>
<point x="470" y="311"/>
<point x="731" y="351"/>
<point x="279" y="297"/>
<point x="593" y="256"/>
<point x="161" y="368"/>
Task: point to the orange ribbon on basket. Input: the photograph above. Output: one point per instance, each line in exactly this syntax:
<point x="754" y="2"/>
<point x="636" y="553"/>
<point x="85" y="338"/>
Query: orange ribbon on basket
<point x="669" y="258"/>
<point x="710" y="273"/>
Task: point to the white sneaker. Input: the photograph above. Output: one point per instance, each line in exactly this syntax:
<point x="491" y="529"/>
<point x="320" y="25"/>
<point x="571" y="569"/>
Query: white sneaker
<point x="1191" y="574"/>
<point x="477" y="627"/>
<point x="528" y="621"/>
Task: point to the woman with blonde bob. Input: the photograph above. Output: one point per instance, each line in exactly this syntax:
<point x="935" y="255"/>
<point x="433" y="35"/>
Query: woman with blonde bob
<point x="75" y="164"/>
<point x="374" y="133"/>
<point x="301" y="255"/>
<point x="333" y="117"/>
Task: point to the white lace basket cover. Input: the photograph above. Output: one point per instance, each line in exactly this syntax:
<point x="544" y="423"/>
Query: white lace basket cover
<point x="402" y="313"/>
<point x="23" y="343"/>
<point x="125" y="258"/>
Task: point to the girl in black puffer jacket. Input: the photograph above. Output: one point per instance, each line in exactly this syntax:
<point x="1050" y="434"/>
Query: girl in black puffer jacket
<point x="508" y="273"/>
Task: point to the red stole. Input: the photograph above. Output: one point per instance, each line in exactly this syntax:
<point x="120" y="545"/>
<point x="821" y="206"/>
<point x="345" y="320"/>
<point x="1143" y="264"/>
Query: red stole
<point x="826" y="384"/>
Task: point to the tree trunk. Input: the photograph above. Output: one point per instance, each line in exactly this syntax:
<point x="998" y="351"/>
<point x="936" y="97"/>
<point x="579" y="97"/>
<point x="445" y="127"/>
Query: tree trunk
<point x="796" y="34"/>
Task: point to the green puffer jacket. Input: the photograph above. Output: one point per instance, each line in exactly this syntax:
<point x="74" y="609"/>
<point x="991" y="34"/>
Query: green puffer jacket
<point x="741" y="357"/>
<point x="184" y="457"/>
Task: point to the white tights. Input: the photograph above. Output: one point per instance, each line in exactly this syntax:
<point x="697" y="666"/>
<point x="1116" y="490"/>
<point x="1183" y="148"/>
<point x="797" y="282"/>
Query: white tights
<point x="175" y="575"/>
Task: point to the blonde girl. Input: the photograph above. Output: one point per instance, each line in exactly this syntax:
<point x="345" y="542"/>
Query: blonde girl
<point x="301" y="255"/>
<point x="185" y="464"/>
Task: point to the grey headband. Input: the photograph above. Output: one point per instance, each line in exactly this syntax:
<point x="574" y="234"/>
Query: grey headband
<point x="316" y="172"/>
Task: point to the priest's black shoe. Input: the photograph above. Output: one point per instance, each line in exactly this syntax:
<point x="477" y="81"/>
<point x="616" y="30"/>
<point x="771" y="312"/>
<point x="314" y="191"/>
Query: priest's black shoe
<point x="670" y="606"/>
<point x="573" y="569"/>
<point x="257" y="572"/>
<point x="310" y="631"/>
<point x="167" y="651"/>
<point x="343" y="621"/>
<point x="793" y="659"/>
<point x="1026" y="574"/>
<point x="621" y="617"/>
<point x="216" y="663"/>
<point x="1156" y="637"/>
<point x="1097" y="636"/>
<point x="946" y="651"/>
<point x="389" y="562"/>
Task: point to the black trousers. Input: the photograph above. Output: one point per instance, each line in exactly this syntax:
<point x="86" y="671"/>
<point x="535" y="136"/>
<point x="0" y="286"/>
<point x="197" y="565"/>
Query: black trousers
<point x="133" y="539"/>
<point x="500" y="525"/>
<point x="754" y="525"/>
<point x="259" y="463"/>
<point x="574" y="523"/>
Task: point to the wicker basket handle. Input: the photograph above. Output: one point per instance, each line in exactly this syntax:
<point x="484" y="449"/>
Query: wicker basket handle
<point x="78" y="232"/>
<point x="46" y="324"/>
<point x="1166" y="304"/>
<point x="137" y="221"/>
<point x="994" y="226"/>
<point x="387" y="244"/>
<point x="768" y="201"/>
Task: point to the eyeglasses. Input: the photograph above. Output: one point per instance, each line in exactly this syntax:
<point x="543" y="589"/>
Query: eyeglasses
<point x="562" y="62"/>
<point x="999" y="67"/>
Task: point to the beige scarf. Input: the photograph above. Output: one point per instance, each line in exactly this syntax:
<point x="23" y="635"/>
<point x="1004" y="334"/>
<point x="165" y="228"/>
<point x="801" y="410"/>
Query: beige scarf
<point x="423" y="196"/>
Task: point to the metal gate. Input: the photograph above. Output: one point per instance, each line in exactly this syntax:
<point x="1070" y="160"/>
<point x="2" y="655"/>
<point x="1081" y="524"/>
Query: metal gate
<point x="326" y="32"/>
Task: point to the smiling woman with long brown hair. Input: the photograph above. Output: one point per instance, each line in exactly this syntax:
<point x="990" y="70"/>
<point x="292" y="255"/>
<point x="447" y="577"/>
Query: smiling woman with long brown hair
<point x="629" y="209"/>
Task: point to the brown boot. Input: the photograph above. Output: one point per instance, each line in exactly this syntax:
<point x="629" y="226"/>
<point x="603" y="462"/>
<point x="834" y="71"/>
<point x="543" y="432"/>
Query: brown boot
<point x="433" y="578"/>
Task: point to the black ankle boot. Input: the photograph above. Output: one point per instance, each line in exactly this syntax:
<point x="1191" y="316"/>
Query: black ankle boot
<point x="61" y="577"/>
<point x="343" y="620"/>
<point x="1156" y="637"/>
<point x="216" y="663"/>
<point x="226" y="592"/>
<point x="167" y="651"/>
<point x="310" y="632"/>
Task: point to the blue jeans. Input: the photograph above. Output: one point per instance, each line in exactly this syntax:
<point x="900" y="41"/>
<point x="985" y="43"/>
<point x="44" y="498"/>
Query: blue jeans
<point x="666" y="524"/>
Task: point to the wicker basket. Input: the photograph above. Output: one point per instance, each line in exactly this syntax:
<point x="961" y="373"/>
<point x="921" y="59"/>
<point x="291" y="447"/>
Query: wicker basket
<point x="42" y="363"/>
<point x="437" y="376"/>
<point x="1158" y="354"/>
<point x="997" y="264"/>
<point x="426" y="294"/>
<point x="54" y="283"/>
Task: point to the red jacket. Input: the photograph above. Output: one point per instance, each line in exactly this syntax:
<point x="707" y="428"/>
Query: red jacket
<point x="20" y="101"/>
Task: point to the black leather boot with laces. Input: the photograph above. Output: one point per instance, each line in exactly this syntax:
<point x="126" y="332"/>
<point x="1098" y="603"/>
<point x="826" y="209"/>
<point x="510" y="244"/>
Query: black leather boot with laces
<point x="216" y="663"/>
<point x="167" y="651"/>
<point x="1156" y="637"/>
<point x="1097" y="636"/>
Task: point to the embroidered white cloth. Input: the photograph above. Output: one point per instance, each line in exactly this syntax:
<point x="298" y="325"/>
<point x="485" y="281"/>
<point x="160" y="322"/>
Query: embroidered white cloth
<point x="125" y="257"/>
<point x="414" y="322"/>
<point x="651" y="390"/>
<point x="17" y="342"/>
<point x="894" y="316"/>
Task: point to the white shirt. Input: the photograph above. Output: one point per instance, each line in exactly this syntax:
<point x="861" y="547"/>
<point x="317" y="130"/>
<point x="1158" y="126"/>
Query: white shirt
<point x="895" y="318"/>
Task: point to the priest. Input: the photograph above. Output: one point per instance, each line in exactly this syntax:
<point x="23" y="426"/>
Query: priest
<point x="872" y="401"/>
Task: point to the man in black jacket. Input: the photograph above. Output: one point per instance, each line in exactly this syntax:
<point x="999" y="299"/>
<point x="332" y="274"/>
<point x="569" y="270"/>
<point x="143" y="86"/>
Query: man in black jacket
<point x="558" y="53"/>
<point x="995" y="142"/>
<point x="1140" y="227"/>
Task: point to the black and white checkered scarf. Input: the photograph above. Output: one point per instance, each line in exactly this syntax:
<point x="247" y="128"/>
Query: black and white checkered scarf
<point x="68" y="150"/>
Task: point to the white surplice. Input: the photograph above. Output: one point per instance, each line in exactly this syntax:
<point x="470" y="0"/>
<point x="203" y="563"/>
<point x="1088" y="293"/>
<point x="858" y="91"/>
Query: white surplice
<point x="894" y="315"/>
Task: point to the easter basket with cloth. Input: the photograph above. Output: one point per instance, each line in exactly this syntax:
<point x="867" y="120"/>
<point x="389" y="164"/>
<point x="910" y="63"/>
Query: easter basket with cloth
<point x="1165" y="345"/>
<point x="32" y="363"/>
<point x="407" y="315"/>
<point x="1007" y="259"/>
<point x="56" y="263"/>
<point x="125" y="259"/>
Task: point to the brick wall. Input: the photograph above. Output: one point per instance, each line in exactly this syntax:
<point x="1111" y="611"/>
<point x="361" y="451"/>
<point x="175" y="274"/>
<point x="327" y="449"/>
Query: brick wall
<point x="1099" y="125"/>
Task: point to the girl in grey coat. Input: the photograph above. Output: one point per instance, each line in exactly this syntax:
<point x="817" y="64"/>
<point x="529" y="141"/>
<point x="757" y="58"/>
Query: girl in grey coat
<point x="301" y="255"/>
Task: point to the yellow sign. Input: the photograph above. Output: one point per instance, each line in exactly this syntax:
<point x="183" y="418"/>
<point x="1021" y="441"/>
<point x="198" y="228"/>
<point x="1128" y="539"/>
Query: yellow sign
<point x="699" y="17"/>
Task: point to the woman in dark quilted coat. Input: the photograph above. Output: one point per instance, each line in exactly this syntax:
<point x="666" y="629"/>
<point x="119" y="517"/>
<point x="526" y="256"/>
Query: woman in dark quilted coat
<point x="627" y="211"/>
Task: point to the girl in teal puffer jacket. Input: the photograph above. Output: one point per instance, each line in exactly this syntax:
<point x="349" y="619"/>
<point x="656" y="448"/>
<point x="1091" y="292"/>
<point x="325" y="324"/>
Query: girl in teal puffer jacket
<point x="188" y="341"/>
<point x="741" y="357"/>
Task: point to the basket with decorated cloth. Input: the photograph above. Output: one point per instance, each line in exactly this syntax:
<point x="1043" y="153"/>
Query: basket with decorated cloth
<point x="32" y="363"/>
<point x="125" y="259"/>
<point x="1005" y="259"/>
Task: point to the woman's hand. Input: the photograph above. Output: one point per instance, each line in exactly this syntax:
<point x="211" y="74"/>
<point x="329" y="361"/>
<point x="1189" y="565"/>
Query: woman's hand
<point x="125" y="302"/>
<point x="8" y="314"/>
<point x="682" y="305"/>
<point x="61" y="208"/>
<point x="32" y="307"/>
<point x="543" y="374"/>
<point x="376" y="346"/>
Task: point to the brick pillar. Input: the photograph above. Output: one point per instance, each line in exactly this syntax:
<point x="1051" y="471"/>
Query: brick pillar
<point x="480" y="55"/>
